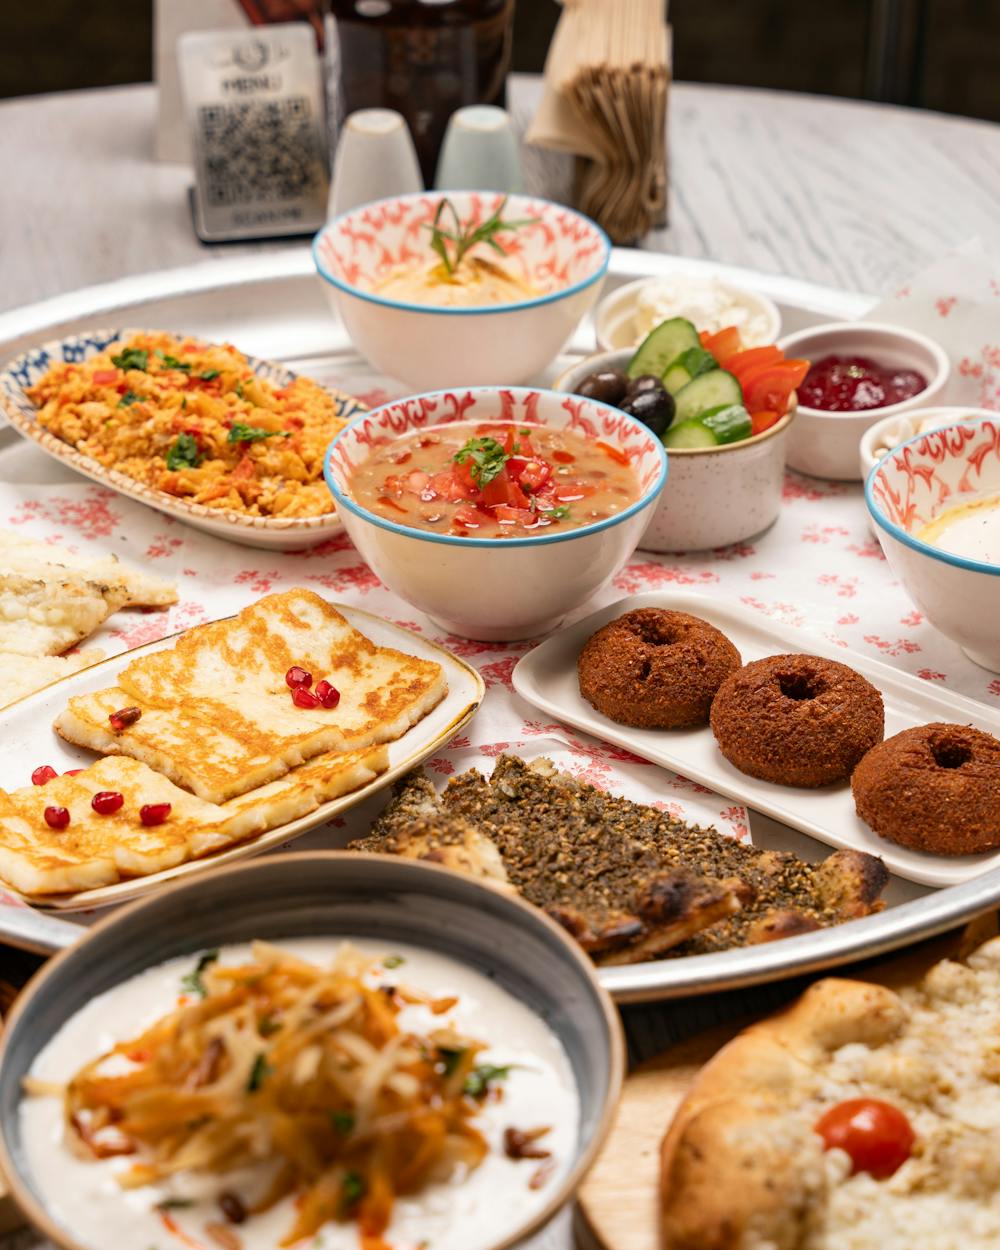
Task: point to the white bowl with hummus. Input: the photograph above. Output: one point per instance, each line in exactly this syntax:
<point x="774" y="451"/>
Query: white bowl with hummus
<point x="935" y="503"/>
<point x="363" y="1043"/>
<point x="626" y="315"/>
<point x="470" y="288"/>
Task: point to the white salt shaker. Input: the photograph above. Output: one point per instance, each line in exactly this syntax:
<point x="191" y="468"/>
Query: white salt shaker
<point x="375" y="159"/>
<point x="480" y="152"/>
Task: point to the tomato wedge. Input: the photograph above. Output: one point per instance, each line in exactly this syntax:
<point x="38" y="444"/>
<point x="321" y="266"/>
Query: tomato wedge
<point x="877" y="1137"/>
<point x="761" y="421"/>
<point x="752" y="358"/>
<point x="507" y="515"/>
<point x="104" y="377"/>
<point x="724" y="345"/>
<point x="534" y="475"/>
<point x="770" y="389"/>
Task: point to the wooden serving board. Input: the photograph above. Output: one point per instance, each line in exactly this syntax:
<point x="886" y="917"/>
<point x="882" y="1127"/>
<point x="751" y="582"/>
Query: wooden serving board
<point x="619" y="1199"/>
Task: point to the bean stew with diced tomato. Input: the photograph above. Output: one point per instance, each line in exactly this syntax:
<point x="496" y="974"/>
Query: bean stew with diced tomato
<point x="497" y="480"/>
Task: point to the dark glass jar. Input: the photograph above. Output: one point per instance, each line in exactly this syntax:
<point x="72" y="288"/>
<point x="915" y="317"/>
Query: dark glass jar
<point x="424" y="58"/>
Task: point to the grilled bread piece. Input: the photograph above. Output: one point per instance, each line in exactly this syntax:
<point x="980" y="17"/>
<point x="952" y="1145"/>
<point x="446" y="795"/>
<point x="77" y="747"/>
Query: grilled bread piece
<point x="217" y="715"/>
<point x="629" y="881"/>
<point x="52" y="598"/>
<point x="21" y="675"/>
<point x="95" y="850"/>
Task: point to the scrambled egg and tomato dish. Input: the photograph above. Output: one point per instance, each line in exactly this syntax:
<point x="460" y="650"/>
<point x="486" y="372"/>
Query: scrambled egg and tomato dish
<point x="193" y="420"/>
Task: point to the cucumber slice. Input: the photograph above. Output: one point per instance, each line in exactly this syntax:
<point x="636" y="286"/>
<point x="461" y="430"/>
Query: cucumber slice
<point x="730" y="423"/>
<point x="689" y="365"/>
<point x="717" y="389"/>
<point x="661" y="347"/>
<point x="689" y="434"/>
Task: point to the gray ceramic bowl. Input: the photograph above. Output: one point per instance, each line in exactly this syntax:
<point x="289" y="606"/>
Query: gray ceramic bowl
<point x="327" y="894"/>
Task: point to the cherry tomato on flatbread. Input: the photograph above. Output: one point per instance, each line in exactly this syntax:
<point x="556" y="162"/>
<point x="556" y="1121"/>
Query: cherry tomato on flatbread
<point x="876" y="1136"/>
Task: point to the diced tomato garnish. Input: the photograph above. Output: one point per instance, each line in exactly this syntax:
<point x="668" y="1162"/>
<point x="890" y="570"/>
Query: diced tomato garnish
<point x="502" y="490"/>
<point x="463" y="479"/>
<point x="450" y="485"/>
<point x="770" y="389"/>
<point x="761" y="421"/>
<point x="567" y="492"/>
<point x="723" y="345"/>
<point x="510" y="516"/>
<point x="563" y="457"/>
<point x="741" y="362"/>
<point x="104" y="377"/>
<point x="615" y="453"/>
<point x="534" y="476"/>
<point x="468" y="517"/>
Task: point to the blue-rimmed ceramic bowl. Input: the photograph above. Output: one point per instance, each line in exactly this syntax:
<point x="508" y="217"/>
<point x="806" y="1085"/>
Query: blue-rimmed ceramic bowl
<point x="562" y="254"/>
<point x="958" y="590"/>
<point x="496" y="588"/>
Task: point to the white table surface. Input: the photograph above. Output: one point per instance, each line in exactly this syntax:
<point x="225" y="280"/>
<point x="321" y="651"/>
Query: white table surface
<point x="841" y="193"/>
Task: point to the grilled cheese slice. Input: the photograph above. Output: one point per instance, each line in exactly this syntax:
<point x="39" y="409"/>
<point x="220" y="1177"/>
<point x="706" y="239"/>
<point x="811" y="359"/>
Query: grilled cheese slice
<point x="217" y="714"/>
<point x="95" y="850"/>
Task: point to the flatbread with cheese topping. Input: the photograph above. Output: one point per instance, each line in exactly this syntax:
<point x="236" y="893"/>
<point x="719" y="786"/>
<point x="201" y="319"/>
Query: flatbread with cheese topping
<point x="743" y="1166"/>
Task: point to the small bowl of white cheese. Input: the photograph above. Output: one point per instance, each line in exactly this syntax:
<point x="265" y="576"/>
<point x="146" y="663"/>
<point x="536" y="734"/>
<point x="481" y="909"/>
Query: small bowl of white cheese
<point x="624" y="317"/>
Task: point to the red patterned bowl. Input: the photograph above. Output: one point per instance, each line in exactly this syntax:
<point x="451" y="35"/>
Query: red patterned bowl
<point x="562" y="254"/>
<point x="496" y="588"/>
<point x="956" y="585"/>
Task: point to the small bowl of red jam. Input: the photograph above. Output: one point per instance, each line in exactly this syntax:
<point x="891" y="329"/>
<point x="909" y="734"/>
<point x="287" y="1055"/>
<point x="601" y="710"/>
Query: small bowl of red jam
<point x="861" y="372"/>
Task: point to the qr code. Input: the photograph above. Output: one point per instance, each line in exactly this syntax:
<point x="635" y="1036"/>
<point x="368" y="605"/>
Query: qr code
<point x="259" y="150"/>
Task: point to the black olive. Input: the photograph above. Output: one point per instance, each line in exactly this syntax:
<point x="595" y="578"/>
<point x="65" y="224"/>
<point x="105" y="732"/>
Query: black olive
<point x="645" y="382"/>
<point x="606" y="385"/>
<point x="653" y="408"/>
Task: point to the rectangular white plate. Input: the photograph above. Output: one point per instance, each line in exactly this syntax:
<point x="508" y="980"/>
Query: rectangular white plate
<point x="29" y="740"/>
<point x="547" y="678"/>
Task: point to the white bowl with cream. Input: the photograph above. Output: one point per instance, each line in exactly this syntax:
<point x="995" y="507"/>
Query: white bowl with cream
<point x="716" y="495"/>
<point x="935" y="502"/>
<point x="528" y="990"/>
<point x="825" y="443"/>
<point x="374" y="263"/>
<point x="626" y="315"/>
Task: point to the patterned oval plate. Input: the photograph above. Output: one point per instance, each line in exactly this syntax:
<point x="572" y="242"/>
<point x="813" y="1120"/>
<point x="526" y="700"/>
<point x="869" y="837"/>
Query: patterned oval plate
<point x="275" y="533"/>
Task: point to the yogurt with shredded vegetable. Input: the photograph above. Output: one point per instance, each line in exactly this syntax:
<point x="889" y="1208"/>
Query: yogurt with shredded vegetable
<point x="706" y="302"/>
<point x="531" y="1091"/>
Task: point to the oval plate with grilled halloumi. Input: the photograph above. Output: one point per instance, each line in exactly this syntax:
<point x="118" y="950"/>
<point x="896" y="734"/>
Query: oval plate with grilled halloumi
<point x="220" y="739"/>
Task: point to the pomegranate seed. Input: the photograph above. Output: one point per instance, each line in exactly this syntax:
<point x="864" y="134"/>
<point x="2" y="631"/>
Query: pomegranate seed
<point x="298" y="679"/>
<point x="154" y="813"/>
<point x="73" y="772"/>
<point x="124" y="717"/>
<point x="328" y="695"/>
<point x="56" y="817"/>
<point x="106" y="802"/>
<point x="302" y="697"/>
<point x="43" y="774"/>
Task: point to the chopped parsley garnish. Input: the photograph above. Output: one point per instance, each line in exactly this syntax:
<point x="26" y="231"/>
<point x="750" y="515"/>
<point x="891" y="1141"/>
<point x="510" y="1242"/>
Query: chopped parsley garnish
<point x="352" y="1191"/>
<point x="192" y="983"/>
<point x="184" y="453"/>
<point x="393" y="961"/>
<point x="174" y="1204"/>
<point x="559" y="513"/>
<point x="132" y="358"/>
<point x="129" y="398"/>
<point x="342" y="1121"/>
<point x="209" y="375"/>
<point x="478" y="1080"/>
<point x="259" y="1073"/>
<point x="238" y="388"/>
<point x="171" y="362"/>
<point x="451" y="1058"/>
<point x="242" y="433"/>
<point x="486" y="458"/>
